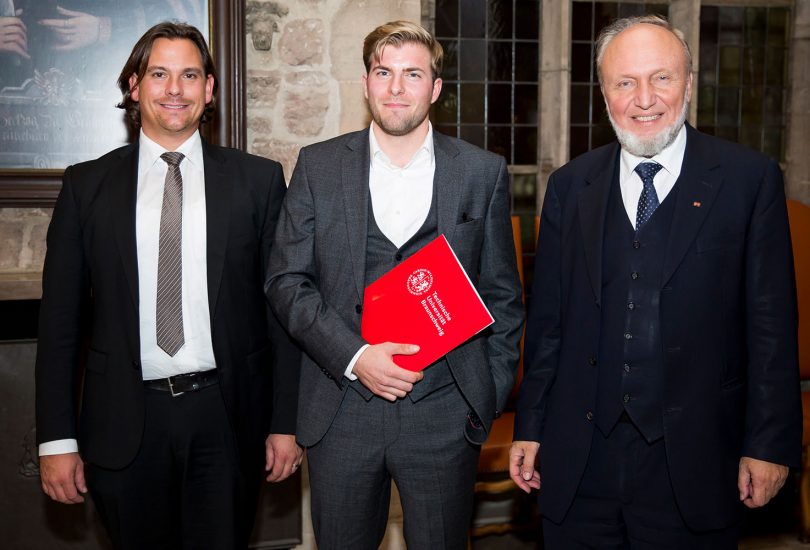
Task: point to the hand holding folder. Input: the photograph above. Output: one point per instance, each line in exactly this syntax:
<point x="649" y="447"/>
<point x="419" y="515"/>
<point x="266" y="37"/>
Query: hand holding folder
<point x="426" y="300"/>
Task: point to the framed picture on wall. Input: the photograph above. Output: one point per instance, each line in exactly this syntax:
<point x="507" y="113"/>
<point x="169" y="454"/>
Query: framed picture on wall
<point x="59" y="66"/>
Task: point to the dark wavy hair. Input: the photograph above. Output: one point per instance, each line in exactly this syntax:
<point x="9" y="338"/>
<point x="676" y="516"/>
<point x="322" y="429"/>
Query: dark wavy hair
<point x="139" y="60"/>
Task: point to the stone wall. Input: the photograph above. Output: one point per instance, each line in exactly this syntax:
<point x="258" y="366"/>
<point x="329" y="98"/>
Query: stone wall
<point x="22" y="251"/>
<point x="304" y="68"/>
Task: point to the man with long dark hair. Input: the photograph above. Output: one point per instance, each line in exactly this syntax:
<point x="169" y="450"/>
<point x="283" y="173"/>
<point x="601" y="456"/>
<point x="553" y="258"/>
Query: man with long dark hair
<point x="165" y="243"/>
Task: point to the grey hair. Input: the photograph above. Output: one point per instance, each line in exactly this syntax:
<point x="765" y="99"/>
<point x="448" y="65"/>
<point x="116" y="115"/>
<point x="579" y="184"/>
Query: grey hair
<point x="611" y="31"/>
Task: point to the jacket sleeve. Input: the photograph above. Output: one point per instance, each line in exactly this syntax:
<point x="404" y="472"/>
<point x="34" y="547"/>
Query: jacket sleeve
<point x="286" y="356"/>
<point x="543" y="328"/>
<point x="65" y="290"/>
<point x="499" y="286"/>
<point x="292" y="283"/>
<point x="773" y="423"/>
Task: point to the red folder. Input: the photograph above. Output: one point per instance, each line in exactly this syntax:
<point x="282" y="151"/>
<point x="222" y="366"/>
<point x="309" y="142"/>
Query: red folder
<point x="426" y="300"/>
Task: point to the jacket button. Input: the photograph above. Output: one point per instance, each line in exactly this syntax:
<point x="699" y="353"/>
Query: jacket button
<point x="398" y="257"/>
<point x="135" y="365"/>
<point x="358" y="308"/>
<point x="589" y="415"/>
<point x="626" y="367"/>
<point x="592" y="361"/>
<point x="634" y="275"/>
<point x="628" y="336"/>
<point x="626" y="398"/>
<point x="636" y="244"/>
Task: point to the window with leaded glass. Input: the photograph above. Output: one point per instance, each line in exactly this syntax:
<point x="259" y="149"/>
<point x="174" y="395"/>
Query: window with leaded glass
<point x="491" y="67"/>
<point x="743" y="75"/>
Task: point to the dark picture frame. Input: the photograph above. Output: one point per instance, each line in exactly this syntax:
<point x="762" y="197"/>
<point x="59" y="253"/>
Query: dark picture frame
<point x="39" y="187"/>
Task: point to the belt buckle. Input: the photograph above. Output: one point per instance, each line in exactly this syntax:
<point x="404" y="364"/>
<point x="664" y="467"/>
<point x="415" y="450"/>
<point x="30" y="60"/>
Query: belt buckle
<point x="171" y="388"/>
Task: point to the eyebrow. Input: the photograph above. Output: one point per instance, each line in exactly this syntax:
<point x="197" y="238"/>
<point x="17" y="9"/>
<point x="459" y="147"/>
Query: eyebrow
<point x="195" y="70"/>
<point x="405" y="70"/>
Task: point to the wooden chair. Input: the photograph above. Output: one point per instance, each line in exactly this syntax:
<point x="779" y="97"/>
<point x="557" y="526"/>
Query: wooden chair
<point x="494" y="483"/>
<point x="799" y="215"/>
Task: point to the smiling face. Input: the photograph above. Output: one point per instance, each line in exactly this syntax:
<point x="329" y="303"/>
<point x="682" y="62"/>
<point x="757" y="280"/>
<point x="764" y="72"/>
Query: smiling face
<point x="400" y="89"/>
<point x="173" y="92"/>
<point x="646" y="88"/>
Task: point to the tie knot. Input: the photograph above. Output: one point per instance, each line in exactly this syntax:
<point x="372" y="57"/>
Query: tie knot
<point x="648" y="170"/>
<point x="175" y="158"/>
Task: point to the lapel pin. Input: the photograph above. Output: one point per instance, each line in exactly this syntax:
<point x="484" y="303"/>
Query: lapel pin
<point x="696" y="204"/>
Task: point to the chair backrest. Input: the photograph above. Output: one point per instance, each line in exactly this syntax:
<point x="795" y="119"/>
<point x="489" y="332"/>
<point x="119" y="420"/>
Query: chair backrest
<point x="799" y="216"/>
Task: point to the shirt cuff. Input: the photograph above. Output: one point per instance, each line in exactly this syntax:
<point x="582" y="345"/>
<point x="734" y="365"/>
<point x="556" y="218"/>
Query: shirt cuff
<point x="58" y="447"/>
<point x="348" y="372"/>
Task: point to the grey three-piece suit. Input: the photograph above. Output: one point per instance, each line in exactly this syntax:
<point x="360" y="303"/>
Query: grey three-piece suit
<point x="327" y="250"/>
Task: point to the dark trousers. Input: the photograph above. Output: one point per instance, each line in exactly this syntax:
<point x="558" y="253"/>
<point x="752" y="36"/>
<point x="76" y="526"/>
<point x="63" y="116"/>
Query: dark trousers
<point x="421" y="446"/>
<point x="184" y="490"/>
<point x="625" y="501"/>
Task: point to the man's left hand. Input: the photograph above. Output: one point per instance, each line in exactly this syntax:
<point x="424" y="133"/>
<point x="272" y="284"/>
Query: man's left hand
<point x="759" y="481"/>
<point x="283" y="456"/>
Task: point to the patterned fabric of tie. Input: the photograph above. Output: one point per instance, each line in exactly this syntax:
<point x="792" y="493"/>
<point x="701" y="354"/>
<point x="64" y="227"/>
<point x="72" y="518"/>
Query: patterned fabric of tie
<point x="169" y="325"/>
<point x="648" y="201"/>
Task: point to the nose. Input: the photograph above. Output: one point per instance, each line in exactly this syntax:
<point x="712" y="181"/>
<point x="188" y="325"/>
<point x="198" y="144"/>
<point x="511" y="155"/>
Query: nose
<point x="173" y="87"/>
<point x="396" y="85"/>
<point x="645" y="95"/>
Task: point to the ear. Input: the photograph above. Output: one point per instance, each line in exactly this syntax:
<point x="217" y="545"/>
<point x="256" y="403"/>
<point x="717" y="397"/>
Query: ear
<point x="133" y="87"/>
<point x="209" y="89"/>
<point x="437" y="89"/>
<point x="689" y="88"/>
<point x="364" y="78"/>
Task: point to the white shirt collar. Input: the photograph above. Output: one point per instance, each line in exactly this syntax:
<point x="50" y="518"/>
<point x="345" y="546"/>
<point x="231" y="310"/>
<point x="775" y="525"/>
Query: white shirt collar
<point x="377" y="153"/>
<point x="150" y="151"/>
<point x="671" y="158"/>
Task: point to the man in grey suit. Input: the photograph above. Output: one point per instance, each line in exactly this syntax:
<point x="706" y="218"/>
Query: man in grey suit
<point x="357" y="206"/>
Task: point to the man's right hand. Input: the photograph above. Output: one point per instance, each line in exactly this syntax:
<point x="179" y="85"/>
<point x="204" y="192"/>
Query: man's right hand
<point x="523" y="457"/>
<point x="376" y="369"/>
<point x="62" y="477"/>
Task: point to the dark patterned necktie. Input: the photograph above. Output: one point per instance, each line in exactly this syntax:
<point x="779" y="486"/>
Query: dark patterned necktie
<point x="169" y="323"/>
<point x="648" y="201"/>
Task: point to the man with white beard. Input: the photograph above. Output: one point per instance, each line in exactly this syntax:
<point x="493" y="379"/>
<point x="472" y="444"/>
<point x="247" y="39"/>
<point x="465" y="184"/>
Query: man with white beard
<point x="661" y="374"/>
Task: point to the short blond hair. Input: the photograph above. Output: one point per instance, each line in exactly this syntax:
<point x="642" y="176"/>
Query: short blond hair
<point x="397" y="33"/>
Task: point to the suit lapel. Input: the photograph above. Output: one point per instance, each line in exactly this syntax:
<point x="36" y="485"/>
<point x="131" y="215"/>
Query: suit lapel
<point x="354" y="180"/>
<point x="218" y="186"/>
<point x="700" y="180"/>
<point x="593" y="199"/>
<point x="447" y="180"/>
<point x="124" y="182"/>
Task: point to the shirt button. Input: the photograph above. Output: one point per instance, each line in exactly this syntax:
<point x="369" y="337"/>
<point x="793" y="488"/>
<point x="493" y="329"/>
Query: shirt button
<point x="631" y="306"/>
<point x="628" y="336"/>
<point x="398" y="257"/>
<point x="636" y="244"/>
<point x="626" y="397"/>
<point x="634" y="275"/>
<point x="626" y="367"/>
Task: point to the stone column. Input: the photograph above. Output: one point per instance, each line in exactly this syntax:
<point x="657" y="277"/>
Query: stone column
<point x="555" y="81"/>
<point x="798" y="113"/>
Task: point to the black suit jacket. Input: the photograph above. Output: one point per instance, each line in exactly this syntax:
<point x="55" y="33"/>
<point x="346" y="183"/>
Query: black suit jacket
<point x="728" y="326"/>
<point x="91" y="270"/>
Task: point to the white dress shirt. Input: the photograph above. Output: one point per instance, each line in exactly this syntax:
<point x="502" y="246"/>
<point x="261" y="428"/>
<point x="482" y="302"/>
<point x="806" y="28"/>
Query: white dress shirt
<point x="400" y="197"/>
<point x="197" y="352"/>
<point x="671" y="159"/>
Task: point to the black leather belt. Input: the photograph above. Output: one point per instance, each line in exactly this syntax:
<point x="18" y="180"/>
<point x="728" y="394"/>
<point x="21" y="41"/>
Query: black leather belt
<point x="183" y="383"/>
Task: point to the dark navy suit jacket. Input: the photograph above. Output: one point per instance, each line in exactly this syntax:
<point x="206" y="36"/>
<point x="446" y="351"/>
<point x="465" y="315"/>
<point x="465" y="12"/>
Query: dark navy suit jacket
<point x="728" y="323"/>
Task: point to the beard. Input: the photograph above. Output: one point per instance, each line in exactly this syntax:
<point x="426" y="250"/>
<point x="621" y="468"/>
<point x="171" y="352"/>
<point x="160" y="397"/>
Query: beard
<point x="650" y="146"/>
<point x="398" y="126"/>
